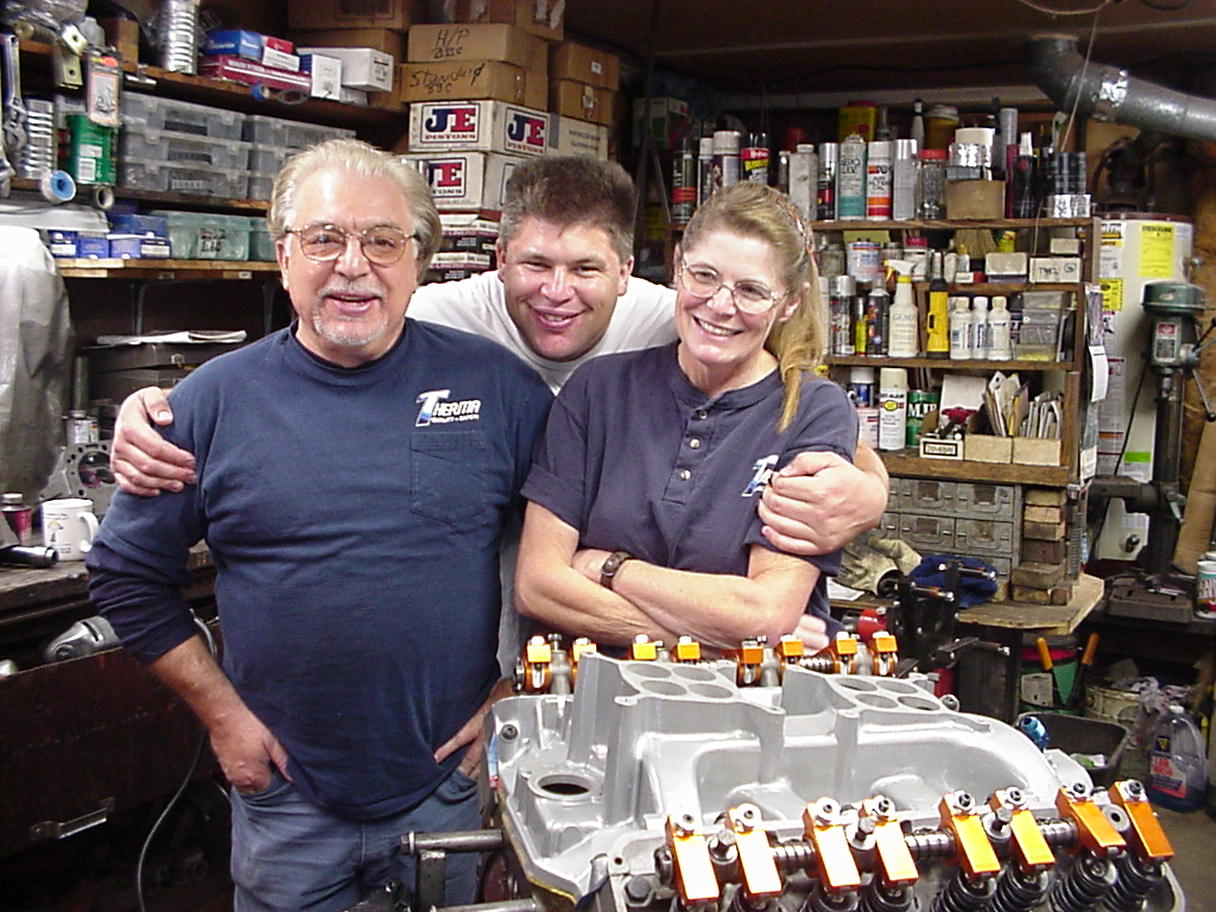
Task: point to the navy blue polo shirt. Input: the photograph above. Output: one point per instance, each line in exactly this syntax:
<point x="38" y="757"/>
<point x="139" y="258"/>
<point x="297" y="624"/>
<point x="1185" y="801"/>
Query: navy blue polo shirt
<point x="637" y="458"/>
<point x="354" y="518"/>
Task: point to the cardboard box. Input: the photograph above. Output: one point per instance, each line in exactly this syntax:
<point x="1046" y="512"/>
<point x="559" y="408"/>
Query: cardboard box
<point x="941" y="448"/>
<point x="670" y="119"/>
<point x="975" y="199"/>
<point x="466" y="180"/>
<point x="987" y="448"/>
<point x="386" y="41"/>
<point x="1036" y="451"/>
<point x="576" y="99"/>
<point x="543" y="18"/>
<point x="362" y="68"/>
<point x="585" y="64"/>
<point x="249" y="72"/>
<point x="123" y="35"/>
<point x="457" y="80"/>
<point x="398" y="15"/>
<point x="487" y="41"/>
<point x="235" y="43"/>
<point x="280" y="60"/>
<point x="478" y="126"/>
<point x="326" y="75"/>
<point x="569" y="136"/>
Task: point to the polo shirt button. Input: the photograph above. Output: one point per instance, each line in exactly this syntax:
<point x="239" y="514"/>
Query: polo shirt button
<point x="695" y="443"/>
<point x="702" y="414"/>
<point x="685" y="474"/>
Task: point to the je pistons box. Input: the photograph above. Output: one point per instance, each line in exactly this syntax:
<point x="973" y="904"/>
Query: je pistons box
<point x="478" y="126"/>
<point x="466" y="180"/>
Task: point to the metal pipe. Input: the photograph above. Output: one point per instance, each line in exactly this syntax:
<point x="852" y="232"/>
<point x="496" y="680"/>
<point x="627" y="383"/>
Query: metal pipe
<point x="457" y="841"/>
<point x="1109" y="93"/>
<point x="506" y="905"/>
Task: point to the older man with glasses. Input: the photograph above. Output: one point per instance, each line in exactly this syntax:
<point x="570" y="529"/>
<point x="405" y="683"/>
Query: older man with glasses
<point x="359" y="638"/>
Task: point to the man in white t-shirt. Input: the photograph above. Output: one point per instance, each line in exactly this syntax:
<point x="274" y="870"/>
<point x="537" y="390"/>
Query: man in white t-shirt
<point x="562" y="294"/>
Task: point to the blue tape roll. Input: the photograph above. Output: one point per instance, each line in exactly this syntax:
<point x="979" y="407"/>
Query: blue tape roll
<point x="58" y="187"/>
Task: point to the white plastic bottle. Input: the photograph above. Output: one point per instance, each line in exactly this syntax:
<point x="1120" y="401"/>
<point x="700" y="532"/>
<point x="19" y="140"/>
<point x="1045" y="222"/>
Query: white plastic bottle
<point x="960" y="330"/>
<point x="1178" y="777"/>
<point x="903" y="321"/>
<point x="892" y="408"/>
<point x="1000" y="344"/>
<point x="979" y="327"/>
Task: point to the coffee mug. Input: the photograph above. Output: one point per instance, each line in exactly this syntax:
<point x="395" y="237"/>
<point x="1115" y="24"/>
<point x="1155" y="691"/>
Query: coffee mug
<point x="69" y="526"/>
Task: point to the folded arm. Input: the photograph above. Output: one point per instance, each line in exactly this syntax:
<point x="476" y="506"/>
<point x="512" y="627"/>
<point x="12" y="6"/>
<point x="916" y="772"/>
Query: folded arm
<point x="557" y="583"/>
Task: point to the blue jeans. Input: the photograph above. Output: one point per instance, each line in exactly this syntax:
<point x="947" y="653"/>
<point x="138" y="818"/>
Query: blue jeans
<point x="288" y="855"/>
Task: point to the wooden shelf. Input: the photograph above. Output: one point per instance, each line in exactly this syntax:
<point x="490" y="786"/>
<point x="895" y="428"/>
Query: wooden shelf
<point x="945" y="363"/>
<point x="234" y="95"/>
<point x="949" y="224"/>
<point x="965" y="470"/>
<point x="163" y="269"/>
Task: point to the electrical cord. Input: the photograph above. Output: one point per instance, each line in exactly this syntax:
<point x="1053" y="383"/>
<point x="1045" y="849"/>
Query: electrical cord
<point x="198" y="755"/>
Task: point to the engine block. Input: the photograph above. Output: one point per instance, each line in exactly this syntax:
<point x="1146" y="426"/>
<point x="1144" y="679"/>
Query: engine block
<point x="659" y="784"/>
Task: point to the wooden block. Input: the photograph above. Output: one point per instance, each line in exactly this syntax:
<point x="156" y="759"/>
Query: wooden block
<point x="1043" y="531"/>
<point x="1030" y="596"/>
<point x="1044" y="497"/>
<point x="1062" y="594"/>
<point x="1037" y="575"/>
<point x="1043" y="514"/>
<point x="1048" y="552"/>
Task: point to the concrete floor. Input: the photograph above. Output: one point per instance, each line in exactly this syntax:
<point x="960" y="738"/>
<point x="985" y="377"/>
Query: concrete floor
<point x="1193" y="837"/>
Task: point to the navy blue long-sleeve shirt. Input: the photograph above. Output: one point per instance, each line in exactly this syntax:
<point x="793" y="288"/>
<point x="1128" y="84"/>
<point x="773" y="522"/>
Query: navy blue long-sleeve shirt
<point x="353" y="517"/>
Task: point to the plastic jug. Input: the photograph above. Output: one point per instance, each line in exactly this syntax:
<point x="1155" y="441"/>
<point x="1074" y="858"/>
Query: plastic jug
<point x="1178" y="769"/>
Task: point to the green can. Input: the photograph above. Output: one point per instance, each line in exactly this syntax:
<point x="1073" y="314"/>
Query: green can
<point x="920" y="404"/>
<point x="90" y="151"/>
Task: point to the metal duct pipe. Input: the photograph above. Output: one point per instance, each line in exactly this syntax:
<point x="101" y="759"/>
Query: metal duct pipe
<point x="1109" y="93"/>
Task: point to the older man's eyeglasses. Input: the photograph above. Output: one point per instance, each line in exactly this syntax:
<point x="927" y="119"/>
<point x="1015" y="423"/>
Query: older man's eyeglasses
<point x="383" y="245"/>
<point x="750" y="297"/>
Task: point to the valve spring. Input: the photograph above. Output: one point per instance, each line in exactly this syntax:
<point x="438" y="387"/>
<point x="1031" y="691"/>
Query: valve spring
<point x="1087" y="881"/>
<point x="819" y="900"/>
<point x="1136" y="880"/>
<point x="876" y="896"/>
<point x="1017" y="891"/>
<point x="795" y="855"/>
<point x="961" y="894"/>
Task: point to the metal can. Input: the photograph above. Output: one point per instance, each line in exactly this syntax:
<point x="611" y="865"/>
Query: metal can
<point x="864" y="261"/>
<point x="1205" y="585"/>
<point x="829" y="155"/>
<point x="920" y="404"/>
<point x="79" y="427"/>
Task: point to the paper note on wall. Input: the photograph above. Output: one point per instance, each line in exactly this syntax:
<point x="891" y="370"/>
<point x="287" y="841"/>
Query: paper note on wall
<point x="1156" y="250"/>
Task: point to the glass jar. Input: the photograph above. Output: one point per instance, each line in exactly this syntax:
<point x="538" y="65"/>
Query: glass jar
<point x="933" y="183"/>
<point x="831" y="257"/>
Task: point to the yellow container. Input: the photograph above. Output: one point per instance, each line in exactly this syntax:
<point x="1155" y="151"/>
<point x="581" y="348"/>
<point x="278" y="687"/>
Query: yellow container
<point x="858" y="117"/>
<point x="940" y="123"/>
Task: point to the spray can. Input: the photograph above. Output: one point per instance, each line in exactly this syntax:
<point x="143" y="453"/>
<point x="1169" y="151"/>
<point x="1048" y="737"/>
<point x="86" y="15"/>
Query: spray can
<point x="892" y="408"/>
<point x="725" y="165"/>
<point x="755" y="159"/>
<point x="904" y="320"/>
<point x="878" y="180"/>
<point x="841" y="290"/>
<point x="904" y="181"/>
<point x="683" y="185"/>
<point x="705" y="170"/>
<point x="937" y="321"/>
<point x="803" y="180"/>
<point x="829" y="160"/>
<point x="851" y="179"/>
<point x="783" y="171"/>
<point x="861" y="386"/>
<point x="861" y="336"/>
<point x="878" y="306"/>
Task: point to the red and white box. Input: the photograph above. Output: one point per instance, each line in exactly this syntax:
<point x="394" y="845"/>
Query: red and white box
<point x="478" y="126"/>
<point x="245" y="71"/>
<point x="466" y="181"/>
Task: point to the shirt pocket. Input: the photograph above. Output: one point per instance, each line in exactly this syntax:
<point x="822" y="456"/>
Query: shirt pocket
<point x="450" y="477"/>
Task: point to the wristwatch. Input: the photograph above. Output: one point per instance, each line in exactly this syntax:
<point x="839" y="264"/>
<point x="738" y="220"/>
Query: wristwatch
<point x="612" y="564"/>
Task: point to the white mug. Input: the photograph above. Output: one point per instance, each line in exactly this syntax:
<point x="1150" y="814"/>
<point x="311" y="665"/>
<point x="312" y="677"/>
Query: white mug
<point x="69" y="526"/>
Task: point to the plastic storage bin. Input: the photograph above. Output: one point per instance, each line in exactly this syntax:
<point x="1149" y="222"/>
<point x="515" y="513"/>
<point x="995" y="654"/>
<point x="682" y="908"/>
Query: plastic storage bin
<point x="266" y="158"/>
<point x="261" y="247"/>
<point x="207" y="236"/>
<point x="1078" y="735"/>
<point x="148" y="144"/>
<point x="288" y="134"/>
<point x="153" y="113"/>
<point x="260" y="185"/>
<point x="183" y="177"/>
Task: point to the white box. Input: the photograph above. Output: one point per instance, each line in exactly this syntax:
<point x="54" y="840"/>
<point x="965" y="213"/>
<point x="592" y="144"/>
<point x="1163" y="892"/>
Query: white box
<point x="478" y="126"/>
<point x="569" y="136"/>
<point x="326" y="75"/>
<point x="466" y="180"/>
<point x="354" y="96"/>
<point x="273" y="57"/>
<point x="1055" y="269"/>
<point x="362" y="68"/>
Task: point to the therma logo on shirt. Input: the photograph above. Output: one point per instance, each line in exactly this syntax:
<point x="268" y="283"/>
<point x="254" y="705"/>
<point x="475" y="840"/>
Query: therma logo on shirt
<point x="762" y="471"/>
<point x="437" y="410"/>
